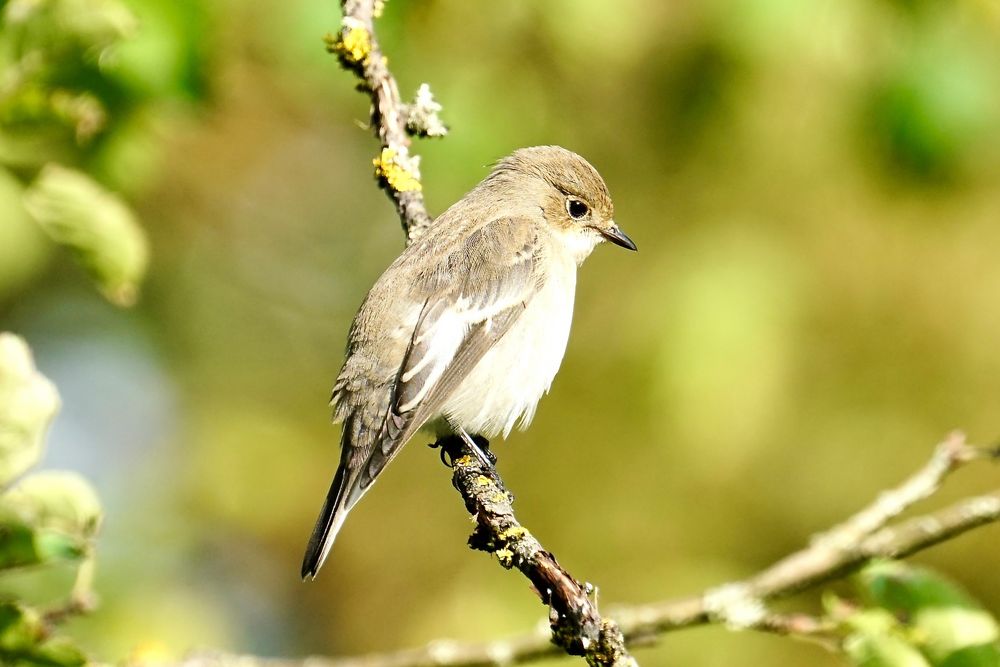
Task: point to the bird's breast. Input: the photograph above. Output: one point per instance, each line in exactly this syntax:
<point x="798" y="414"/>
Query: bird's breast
<point x="507" y="383"/>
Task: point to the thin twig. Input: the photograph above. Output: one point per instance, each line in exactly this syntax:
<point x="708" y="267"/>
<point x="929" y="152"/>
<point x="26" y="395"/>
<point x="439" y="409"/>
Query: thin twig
<point x="81" y="601"/>
<point x="738" y="605"/>
<point x="397" y="170"/>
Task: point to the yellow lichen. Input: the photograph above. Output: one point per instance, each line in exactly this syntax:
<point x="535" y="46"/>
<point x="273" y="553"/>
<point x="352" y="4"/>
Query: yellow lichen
<point x="482" y="481"/>
<point x="498" y="497"/>
<point x="388" y="166"/>
<point x="464" y="460"/>
<point x="354" y="44"/>
<point x="505" y="556"/>
<point x="513" y="533"/>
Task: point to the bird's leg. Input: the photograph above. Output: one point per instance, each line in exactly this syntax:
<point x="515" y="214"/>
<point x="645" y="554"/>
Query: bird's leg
<point x="480" y="446"/>
<point x="452" y="448"/>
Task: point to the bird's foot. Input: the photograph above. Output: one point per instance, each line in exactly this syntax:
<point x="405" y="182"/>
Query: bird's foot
<point x="454" y="447"/>
<point x="481" y="446"/>
<point x="450" y="448"/>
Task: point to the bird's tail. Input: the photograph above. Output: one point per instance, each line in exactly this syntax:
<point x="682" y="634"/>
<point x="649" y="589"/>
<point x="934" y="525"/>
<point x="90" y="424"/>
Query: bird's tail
<point x="355" y="475"/>
<point x="335" y="508"/>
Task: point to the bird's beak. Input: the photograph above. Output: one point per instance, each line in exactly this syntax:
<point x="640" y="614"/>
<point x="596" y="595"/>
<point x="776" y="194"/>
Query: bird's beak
<point x="618" y="237"/>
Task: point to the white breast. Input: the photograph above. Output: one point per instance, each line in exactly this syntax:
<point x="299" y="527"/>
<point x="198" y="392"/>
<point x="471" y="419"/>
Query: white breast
<point x="506" y="385"/>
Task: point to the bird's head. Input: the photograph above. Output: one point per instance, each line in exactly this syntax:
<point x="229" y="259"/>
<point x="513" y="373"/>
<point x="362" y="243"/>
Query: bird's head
<point x="573" y="197"/>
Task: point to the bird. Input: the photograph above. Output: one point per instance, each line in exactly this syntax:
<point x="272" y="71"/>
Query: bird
<point x="466" y="329"/>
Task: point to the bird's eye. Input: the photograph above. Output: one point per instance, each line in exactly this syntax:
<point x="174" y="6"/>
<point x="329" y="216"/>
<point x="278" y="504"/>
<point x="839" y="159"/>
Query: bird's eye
<point x="576" y="208"/>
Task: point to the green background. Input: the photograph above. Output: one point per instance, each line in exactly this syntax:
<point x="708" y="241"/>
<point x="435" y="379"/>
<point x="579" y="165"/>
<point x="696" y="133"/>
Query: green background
<point x="814" y="187"/>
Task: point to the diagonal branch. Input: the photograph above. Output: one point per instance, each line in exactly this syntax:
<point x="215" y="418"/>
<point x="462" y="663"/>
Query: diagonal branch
<point x="392" y="121"/>
<point x="577" y="626"/>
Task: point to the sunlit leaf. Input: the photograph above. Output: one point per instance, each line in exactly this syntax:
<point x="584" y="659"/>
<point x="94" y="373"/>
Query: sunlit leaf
<point x="28" y="401"/>
<point x="58" y="652"/>
<point x="90" y="25"/>
<point x="24" y="641"/>
<point x="55" y="500"/>
<point x="47" y="516"/>
<point x="19" y="627"/>
<point x="882" y="651"/>
<point x="945" y="620"/>
<point x="96" y="225"/>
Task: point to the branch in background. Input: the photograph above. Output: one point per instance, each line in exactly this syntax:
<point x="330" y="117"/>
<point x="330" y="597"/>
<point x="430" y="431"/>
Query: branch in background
<point x="739" y="605"/>
<point x="397" y="171"/>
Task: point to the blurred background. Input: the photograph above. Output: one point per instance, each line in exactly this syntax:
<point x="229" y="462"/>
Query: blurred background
<point x="814" y="187"/>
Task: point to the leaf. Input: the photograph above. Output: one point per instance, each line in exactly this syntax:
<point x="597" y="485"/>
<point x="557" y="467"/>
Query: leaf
<point x="20" y="627"/>
<point x="48" y="516"/>
<point x="55" y="500"/>
<point x="96" y="225"/>
<point x="948" y="625"/>
<point x="877" y="639"/>
<point x="59" y="652"/>
<point x="882" y="651"/>
<point x="28" y="402"/>
<point x="23" y="641"/>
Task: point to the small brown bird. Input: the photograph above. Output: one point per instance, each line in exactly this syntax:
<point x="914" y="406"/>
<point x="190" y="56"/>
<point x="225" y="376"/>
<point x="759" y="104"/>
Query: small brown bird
<point x="465" y="331"/>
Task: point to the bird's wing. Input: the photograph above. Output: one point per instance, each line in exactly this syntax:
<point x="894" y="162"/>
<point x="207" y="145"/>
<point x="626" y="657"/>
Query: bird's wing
<point x="493" y="276"/>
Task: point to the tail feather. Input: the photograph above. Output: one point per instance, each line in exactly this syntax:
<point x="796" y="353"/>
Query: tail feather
<point x="331" y="518"/>
<point x="365" y="452"/>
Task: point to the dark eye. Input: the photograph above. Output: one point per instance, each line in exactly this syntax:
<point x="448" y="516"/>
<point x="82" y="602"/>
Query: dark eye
<point x="576" y="208"/>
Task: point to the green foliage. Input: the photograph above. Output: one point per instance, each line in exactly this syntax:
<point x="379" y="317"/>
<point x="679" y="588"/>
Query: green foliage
<point x="96" y="225"/>
<point x="916" y="618"/>
<point x="23" y="641"/>
<point x="55" y="55"/>
<point x="46" y="518"/>
<point x="68" y="96"/>
<point x="28" y="402"/>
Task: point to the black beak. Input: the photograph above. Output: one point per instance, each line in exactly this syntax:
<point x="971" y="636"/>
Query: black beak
<point x="618" y="237"/>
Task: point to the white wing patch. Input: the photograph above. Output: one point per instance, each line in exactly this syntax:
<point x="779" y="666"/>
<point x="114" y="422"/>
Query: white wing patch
<point x="437" y="346"/>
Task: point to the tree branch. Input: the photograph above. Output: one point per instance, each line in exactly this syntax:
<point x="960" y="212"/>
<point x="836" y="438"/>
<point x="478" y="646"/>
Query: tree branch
<point x="739" y="605"/>
<point x="392" y="121"/>
<point x="577" y="626"/>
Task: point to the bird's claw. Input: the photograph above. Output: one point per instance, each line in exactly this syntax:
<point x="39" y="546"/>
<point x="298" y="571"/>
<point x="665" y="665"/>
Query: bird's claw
<point x="454" y="447"/>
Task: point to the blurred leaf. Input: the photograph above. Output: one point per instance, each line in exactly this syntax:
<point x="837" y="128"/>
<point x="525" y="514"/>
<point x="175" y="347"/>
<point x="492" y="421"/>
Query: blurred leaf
<point x="20" y="627"/>
<point x="878" y="639"/>
<point x="54" y="97"/>
<point x="59" y="652"/>
<point x="48" y="516"/>
<point x="23" y="246"/>
<point x="28" y="401"/>
<point x="166" y="57"/>
<point x="930" y="113"/>
<point x="944" y="618"/>
<point x="97" y="225"/>
<point x="882" y="651"/>
<point x="60" y="25"/>
<point x="55" y="501"/>
<point x="18" y="547"/>
<point x="23" y="641"/>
